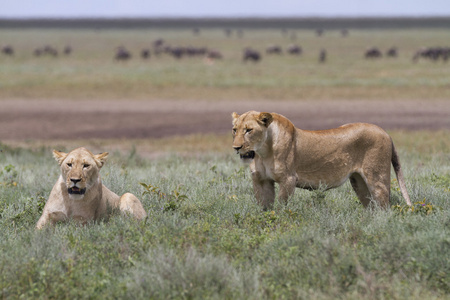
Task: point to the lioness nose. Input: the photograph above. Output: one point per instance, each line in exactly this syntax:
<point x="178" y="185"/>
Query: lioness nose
<point x="237" y="148"/>
<point x="75" y="180"/>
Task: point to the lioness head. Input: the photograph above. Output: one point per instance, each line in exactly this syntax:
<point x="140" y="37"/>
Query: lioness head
<point x="80" y="170"/>
<point x="250" y="133"/>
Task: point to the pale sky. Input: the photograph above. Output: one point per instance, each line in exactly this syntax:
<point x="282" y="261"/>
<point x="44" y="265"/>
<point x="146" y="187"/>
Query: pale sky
<point x="221" y="8"/>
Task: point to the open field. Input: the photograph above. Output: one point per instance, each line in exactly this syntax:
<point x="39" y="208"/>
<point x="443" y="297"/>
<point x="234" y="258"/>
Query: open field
<point x="166" y="123"/>
<point x="90" y="72"/>
<point x="166" y="96"/>
<point x="206" y="237"/>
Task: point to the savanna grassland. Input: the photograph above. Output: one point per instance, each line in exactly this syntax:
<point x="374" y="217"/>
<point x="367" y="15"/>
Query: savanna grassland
<point x="205" y="236"/>
<point x="90" y="71"/>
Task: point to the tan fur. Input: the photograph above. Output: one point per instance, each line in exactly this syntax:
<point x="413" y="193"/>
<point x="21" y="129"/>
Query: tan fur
<point x="80" y="170"/>
<point x="299" y="158"/>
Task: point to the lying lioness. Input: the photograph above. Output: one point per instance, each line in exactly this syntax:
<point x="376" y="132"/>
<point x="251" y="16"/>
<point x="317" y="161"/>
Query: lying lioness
<point x="79" y="193"/>
<point x="279" y="152"/>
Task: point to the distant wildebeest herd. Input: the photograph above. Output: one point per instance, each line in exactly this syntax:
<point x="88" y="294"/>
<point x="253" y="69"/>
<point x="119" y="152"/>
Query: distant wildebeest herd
<point x="160" y="47"/>
<point x="433" y="53"/>
<point x="45" y="50"/>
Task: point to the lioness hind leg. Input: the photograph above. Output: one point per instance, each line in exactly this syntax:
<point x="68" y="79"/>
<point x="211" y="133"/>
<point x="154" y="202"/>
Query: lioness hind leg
<point x="371" y="188"/>
<point x="129" y="203"/>
<point x="380" y="188"/>
<point x="360" y="187"/>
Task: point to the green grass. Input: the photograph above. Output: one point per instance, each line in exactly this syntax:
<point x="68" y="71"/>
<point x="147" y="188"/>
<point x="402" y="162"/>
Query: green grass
<point x="205" y="237"/>
<point x="90" y="71"/>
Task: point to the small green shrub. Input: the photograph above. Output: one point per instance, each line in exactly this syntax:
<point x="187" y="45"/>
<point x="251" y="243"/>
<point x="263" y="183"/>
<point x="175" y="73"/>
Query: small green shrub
<point x="8" y="175"/>
<point x="171" y="201"/>
<point x="420" y="207"/>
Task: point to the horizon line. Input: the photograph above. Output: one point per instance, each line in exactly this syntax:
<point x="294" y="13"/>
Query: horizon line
<point x="225" y="17"/>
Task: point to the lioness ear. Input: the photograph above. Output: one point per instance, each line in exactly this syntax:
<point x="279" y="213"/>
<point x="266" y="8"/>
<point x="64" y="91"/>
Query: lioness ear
<point x="100" y="159"/>
<point x="234" y="116"/>
<point x="59" y="156"/>
<point x="265" y="119"/>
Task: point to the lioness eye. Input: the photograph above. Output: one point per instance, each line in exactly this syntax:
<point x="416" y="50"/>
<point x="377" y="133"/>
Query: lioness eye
<point x="248" y="130"/>
<point x="69" y="165"/>
<point x="85" y="166"/>
<point x="234" y="130"/>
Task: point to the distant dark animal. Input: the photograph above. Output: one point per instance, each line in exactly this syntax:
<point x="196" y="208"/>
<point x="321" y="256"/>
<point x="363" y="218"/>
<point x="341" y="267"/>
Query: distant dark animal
<point x="166" y="49"/>
<point x="122" y="54"/>
<point x="67" y="50"/>
<point x="429" y="53"/>
<point x="319" y="32"/>
<point x="158" y="47"/>
<point x="445" y="53"/>
<point x="37" y="52"/>
<point x="322" y="56"/>
<point x="392" y="52"/>
<point x="196" y="51"/>
<point x="294" y="50"/>
<point x="227" y="32"/>
<point x="373" y="53"/>
<point x="344" y="32"/>
<point x="50" y="51"/>
<point x="251" y="55"/>
<point x="181" y="51"/>
<point x="145" y="53"/>
<point x="158" y="43"/>
<point x="177" y="52"/>
<point x="214" y="54"/>
<point x="417" y="55"/>
<point x="8" y="50"/>
<point x="274" y="50"/>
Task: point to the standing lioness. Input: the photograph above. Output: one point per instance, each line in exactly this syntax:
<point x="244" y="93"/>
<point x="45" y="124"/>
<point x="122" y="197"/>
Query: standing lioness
<point x="79" y="193"/>
<point x="279" y="152"/>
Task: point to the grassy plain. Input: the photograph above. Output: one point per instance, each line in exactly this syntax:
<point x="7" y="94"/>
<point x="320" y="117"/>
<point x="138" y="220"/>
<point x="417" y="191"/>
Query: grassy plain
<point x="91" y="72"/>
<point x="205" y="237"/>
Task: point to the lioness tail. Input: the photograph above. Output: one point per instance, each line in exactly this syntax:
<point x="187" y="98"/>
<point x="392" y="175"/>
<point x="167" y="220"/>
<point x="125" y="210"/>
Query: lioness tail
<point x="398" y="172"/>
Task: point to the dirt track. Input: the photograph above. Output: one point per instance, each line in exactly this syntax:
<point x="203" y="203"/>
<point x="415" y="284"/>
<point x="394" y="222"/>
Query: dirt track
<point x="64" y="119"/>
